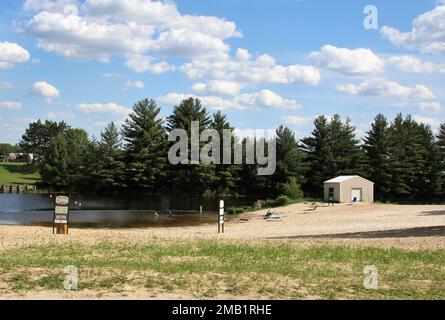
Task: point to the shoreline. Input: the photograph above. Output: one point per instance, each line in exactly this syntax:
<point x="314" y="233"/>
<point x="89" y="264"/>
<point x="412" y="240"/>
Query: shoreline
<point x="403" y="226"/>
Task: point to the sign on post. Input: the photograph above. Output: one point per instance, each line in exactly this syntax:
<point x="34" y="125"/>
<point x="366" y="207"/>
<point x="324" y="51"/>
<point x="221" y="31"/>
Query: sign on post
<point x="221" y="217"/>
<point x="61" y="215"/>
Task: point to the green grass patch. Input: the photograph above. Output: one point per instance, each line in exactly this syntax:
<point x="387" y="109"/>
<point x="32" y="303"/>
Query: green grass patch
<point x="18" y="173"/>
<point x="207" y="269"/>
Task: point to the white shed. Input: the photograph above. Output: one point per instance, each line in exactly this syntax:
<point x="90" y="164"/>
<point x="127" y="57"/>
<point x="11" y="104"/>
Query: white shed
<point x="348" y="189"/>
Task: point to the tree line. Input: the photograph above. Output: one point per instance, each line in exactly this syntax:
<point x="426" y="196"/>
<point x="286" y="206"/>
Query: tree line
<point x="403" y="157"/>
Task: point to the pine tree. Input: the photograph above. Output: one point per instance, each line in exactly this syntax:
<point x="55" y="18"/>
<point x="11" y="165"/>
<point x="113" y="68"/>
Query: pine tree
<point x="429" y="182"/>
<point x="225" y="174"/>
<point x="54" y="170"/>
<point x="145" y="149"/>
<point x="378" y="162"/>
<point x="319" y="157"/>
<point x="441" y="146"/>
<point x="289" y="172"/>
<point x="347" y="155"/>
<point x="77" y="143"/>
<point x="192" y="178"/>
<point x="401" y="168"/>
<point x="110" y="173"/>
<point x="441" y="140"/>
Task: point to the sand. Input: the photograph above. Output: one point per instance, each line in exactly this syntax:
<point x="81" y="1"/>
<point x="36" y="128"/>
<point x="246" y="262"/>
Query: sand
<point x="404" y="226"/>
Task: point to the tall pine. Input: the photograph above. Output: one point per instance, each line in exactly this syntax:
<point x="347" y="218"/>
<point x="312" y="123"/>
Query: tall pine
<point x="378" y="161"/>
<point x="145" y="148"/>
<point x="110" y="175"/>
<point x="191" y="178"/>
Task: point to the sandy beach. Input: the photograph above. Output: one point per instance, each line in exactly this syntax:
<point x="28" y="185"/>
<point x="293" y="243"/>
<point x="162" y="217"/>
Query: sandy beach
<point x="404" y="226"/>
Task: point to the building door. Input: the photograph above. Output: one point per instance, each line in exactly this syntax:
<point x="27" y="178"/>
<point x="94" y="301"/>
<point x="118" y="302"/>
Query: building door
<point x="356" y="195"/>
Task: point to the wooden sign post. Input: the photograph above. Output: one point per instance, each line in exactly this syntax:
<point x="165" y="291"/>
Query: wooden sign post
<point x="221" y="217"/>
<point x="61" y="215"/>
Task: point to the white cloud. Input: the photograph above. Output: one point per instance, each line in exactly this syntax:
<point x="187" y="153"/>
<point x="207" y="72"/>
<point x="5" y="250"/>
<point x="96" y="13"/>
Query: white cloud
<point x="262" y="99"/>
<point x="245" y="69"/>
<point x="429" y="121"/>
<point x="103" y="108"/>
<point x="100" y="29"/>
<point x="12" y="54"/>
<point x="103" y="124"/>
<point x="46" y="5"/>
<point x="134" y="84"/>
<point x="383" y="88"/>
<point x="61" y="115"/>
<point x="356" y="62"/>
<point x="266" y="98"/>
<point x="411" y="64"/>
<point x="4" y="85"/>
<point x="297" y="120"/>
<point x="10" y="105"/>
<point x="431" y="107"/>
<point x="45" y="90"/>
<point x="427" y="34"/>
<point x="141" y="64"/>
<point x="218" y="87"/>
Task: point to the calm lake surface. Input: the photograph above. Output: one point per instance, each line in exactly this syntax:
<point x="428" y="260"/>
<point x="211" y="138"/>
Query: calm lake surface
<point x="119" y="211"/>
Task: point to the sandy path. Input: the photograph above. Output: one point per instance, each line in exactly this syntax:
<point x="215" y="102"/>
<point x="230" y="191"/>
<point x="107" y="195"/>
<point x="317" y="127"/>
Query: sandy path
<point x="330" y="221"/>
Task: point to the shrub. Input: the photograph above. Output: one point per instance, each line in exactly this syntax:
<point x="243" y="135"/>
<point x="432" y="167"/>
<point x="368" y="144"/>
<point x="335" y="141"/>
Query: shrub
<point x="292" y="189"/>
<point x="282" y="201"/>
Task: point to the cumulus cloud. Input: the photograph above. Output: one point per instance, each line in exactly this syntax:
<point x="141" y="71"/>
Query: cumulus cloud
<point x="134" y="84"/>
<point x="5" y="85"/>
<point x="411" y="64"/>
<point x="12" y="54"/>
<point x="61" y="115"/>
<point x="141" y="64"/>
<point x="297" y="120"/>
<point x="100" y="29"/>
<point x="47" y="5"/>
<point x="262" y="99"/>
<point x="356" y="62"/>
<point x="384" y="88"/>
<point x="427" y="34"/>
<point x="245" y="69"/>
<point x="45" y="90"/>
<point x="103" y="108"/>
<point x="428" y="121"/>
<point x="10" y="105"/>
<point x="218" y="87"/>
<point x="435" y="107"/>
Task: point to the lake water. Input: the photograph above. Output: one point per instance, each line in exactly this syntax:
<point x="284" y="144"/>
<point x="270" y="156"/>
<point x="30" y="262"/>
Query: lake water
<point x="114" y="211"/>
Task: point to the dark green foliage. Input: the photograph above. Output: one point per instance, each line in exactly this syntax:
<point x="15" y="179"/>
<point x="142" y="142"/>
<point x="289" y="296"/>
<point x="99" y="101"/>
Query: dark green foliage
<point x="6" y="149"/>
<point x="39" y="136"/>
<point x="54" y="170"/>
<point x="193" y="178"/>
<point x="331" y="150"/>
<point x="225" y="174"/>
<point x="289" y="174"/>
<point x="110" y="173"/>
<point x="145" y="148"/>
<point x="404" y="158"/>
<point x="378" y="160"/>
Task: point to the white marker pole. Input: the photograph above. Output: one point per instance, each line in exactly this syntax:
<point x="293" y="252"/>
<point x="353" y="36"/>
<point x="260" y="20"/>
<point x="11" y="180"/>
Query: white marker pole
<point x="221" y="217"/>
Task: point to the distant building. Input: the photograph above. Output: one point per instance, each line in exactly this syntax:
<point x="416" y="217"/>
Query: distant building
<point x="349" y="189"/>
<point x="21" y="157"/>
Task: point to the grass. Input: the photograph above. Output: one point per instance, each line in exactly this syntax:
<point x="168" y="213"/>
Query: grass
<point x="209" y="269"/>
<point x="18" y="173"/>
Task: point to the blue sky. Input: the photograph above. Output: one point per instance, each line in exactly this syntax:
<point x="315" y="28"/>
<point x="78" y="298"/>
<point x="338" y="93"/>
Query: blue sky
<point x="264" y="63"/>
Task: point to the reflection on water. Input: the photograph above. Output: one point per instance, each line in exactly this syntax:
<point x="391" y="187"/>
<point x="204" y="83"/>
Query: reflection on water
<point x="114" y="212"/>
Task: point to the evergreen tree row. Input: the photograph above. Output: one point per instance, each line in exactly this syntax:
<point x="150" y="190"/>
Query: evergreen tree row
<point x="403" y="157"/>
